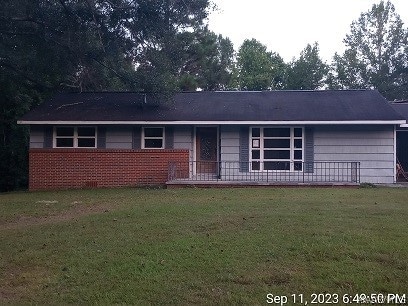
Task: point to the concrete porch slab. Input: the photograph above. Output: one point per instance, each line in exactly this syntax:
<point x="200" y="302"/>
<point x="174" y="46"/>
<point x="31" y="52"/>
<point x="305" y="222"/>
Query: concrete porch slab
<point x="231" y="184"/>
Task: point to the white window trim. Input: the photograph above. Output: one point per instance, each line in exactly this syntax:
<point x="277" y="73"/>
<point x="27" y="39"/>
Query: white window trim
<point x="292" y="149"/>
<point x="144" y="138"/>
<point x="76" y="137"/>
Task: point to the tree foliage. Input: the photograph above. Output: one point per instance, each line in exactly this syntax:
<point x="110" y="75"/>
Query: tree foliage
<point x="308" y="71"/>
<point x="95" y="45"/>
<point x="208" y="63"/>
<point x="376" y="54"/>
<point x="100" y="44"/>
<point x="257" y="68"/>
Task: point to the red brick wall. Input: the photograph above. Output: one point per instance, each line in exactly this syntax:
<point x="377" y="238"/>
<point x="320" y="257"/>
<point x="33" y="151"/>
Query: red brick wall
<point x="78" y="168"/>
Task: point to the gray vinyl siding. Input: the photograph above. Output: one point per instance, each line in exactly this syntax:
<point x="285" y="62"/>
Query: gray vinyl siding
<point x="229" y="143"/>
<point x="309" y="150"/>
<point x="48" y="136"/>
<point x="129" y="137"/>
<point x="169" y="137"/>
<point x="230" y="153"/>
<point x="136" y="138"/>
<point x="37" y="137"/>
<point x="118" y="137"/>
<point x="372" y="146"/>
<point x="244" y="149"/>
<point x="101" y="139"/>
<point x="183" y="138"/>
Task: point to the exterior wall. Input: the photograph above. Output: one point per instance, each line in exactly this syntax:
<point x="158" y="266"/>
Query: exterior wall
<point x="118" y="137"/>
<point x="183" y="139"/>
<point x="118" y="165"/>
<point x="372" y="146"/>
<point x="36" y="137"/>
<point x="78" y="168"/>
<point x="229" y="143"/>
<point x="121" y="137"/>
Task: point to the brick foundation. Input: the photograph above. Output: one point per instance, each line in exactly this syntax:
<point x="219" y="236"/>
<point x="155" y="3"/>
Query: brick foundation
<point x="79" y="168"/>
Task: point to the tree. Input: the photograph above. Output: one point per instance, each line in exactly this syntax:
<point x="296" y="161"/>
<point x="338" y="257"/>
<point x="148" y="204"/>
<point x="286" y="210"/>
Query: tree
<point x="376" y="54"/>
<point x="87" y="45"/>
<point x="307" y="72"/>
<point x="218" y="64"/>
<point x="208" y="62"/>
<point x="13" y="138"/>
<point x="99" y="44"/>
<point x="257" y="68"/>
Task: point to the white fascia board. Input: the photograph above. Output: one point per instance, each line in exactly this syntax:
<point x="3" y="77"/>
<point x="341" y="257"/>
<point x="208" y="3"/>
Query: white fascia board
<point x="402" y="123"/>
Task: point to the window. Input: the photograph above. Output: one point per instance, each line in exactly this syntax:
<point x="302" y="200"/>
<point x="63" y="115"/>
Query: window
<point x="153" y="138"/>
<point x="276" y="148"/>
<point x="75" y="137"/>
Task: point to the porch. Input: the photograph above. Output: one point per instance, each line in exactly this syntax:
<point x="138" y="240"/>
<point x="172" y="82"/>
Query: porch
<point x="228" y="173"/>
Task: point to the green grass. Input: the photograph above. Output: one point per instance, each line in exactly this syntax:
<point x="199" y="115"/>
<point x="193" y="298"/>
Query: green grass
<point x="200" y="246"/>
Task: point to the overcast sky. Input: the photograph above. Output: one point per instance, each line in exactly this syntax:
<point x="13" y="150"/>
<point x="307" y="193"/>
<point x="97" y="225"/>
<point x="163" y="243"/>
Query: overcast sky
<point x="287" y="26"/>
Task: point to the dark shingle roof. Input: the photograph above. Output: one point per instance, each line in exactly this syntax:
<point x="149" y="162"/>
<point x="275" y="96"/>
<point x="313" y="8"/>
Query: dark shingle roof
<point x="401" y="107"/>
<point x="325" y="105"/>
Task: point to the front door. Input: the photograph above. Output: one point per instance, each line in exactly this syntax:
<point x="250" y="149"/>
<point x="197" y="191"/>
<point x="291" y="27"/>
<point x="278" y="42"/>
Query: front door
<point x="206" y="149"/>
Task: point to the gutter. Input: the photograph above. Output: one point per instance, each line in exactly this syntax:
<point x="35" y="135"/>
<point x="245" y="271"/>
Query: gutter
<point x="402" y="123"/>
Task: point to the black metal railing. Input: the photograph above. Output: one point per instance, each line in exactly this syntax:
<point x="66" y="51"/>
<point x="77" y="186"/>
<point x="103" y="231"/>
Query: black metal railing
<point x="299" y="172"/>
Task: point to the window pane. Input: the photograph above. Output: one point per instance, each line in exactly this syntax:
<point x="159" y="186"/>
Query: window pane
<point x="65" y="142"/>
<point x="298" y="154"/>
<point x="256" y="132"/>
<point x="255" y="165"/>
<point x="298" y="132"/>
<point x="276" y="154"/>
<point x="86" y="142"/>
<point x="256" y="154"/>
<point x="297" y="166"/>
<point x="298" y="143"/>
<point x="65" y="131"/>
<point x="86" y="131"/>
<point x="276" y="165"/>
<point x="256" y="143"/>
<point x="277" y="143"/>
<point x="277" y="132"/>
<point x="153" y="132"/>
<point x="153" y="143"/>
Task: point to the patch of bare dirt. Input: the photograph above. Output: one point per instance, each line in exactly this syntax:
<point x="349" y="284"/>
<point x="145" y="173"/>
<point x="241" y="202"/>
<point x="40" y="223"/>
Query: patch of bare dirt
<point x="76" y="211"/>
<point x="17" y="284"/>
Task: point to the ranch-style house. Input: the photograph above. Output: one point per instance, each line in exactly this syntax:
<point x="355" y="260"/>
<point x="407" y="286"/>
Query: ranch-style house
<point x="107" y="139"/>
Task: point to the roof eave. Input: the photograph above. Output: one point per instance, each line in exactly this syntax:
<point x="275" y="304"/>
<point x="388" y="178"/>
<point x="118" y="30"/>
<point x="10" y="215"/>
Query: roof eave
<point x="402" y="123"/>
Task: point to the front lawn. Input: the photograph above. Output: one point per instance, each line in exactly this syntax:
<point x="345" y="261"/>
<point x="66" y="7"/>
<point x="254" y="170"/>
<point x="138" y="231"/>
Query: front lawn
<point x="201" y="246"/>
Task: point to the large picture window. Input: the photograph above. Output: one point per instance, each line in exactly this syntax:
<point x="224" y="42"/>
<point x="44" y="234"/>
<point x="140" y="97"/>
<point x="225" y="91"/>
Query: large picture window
<point x="276" y="148"/>
<point x="75" y="137"/>
<point x="153" y="138"/>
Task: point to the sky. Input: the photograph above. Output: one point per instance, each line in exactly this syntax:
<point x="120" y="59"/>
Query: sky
<point x="287" y="26"/>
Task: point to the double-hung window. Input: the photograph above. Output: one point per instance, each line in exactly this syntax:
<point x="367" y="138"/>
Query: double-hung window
<point x="75" y="137"/>
<point x="276" y="148"/>
<point x="153" y="138"/>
